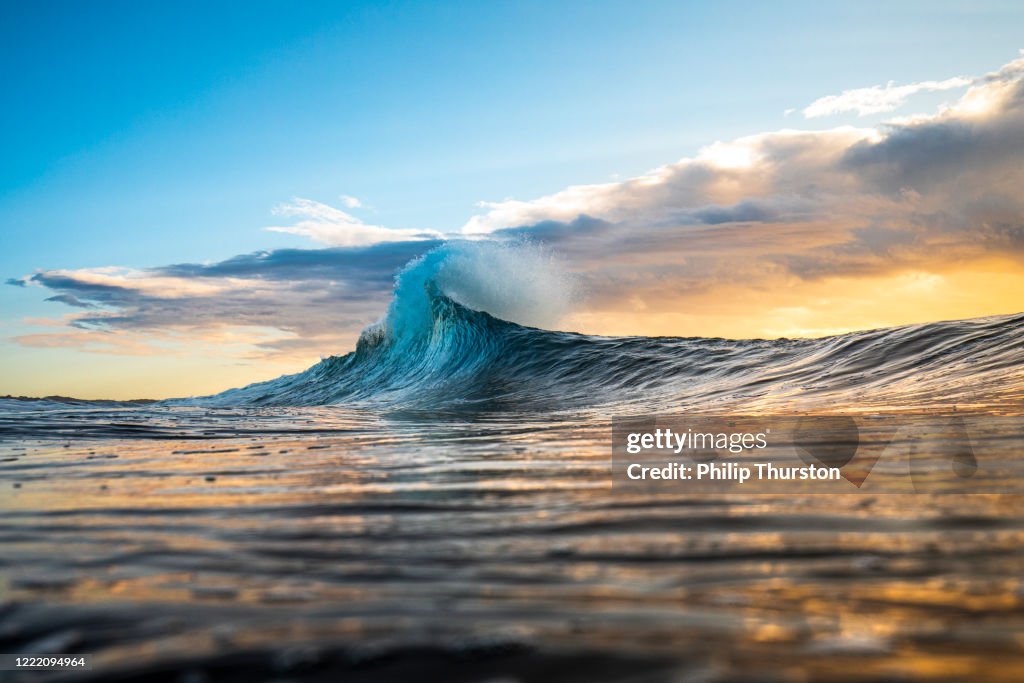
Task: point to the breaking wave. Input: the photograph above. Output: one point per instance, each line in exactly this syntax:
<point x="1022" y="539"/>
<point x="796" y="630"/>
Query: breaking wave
<point x="463" y="330"/>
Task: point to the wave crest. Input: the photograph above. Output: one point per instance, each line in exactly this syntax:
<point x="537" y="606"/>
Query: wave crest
<point x="519" y="282"/>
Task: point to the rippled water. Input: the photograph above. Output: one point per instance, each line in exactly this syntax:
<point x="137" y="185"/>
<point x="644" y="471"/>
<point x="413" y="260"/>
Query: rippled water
<point x="190" y="544"/>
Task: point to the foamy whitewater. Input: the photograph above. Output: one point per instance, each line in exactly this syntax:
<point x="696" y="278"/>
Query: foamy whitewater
<point x="463" y="331"/>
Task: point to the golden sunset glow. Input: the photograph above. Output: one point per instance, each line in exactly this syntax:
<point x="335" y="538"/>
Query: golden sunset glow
<point x="825" y="307"/>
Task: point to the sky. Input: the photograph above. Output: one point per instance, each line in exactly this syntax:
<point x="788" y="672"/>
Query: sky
<point x="195" y="196"/>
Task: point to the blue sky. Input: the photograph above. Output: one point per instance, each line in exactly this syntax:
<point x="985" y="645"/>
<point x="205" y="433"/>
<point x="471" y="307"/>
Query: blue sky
<point x="143" y="134"/>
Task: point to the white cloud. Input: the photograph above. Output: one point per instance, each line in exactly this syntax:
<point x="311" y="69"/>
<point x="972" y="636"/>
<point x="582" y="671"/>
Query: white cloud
<point x="722" y="173"/>
<point x="351" y="202"/>
<point x="144" y="282"/>
<point x="878" y="98"/>
<point x="328" y="225"/>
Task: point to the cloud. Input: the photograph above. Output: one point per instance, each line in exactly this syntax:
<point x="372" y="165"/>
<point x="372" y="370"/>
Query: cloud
<point x="881" y="99"/>
<point x="297" y="302"/>
<point x="328" y="225"/>
<point x="350" y="202"/>
<point x="771" y="168"/>
<point x="71" y="300"/>
<point x="15" y="282"/>
<point x="368" y="267"/>
<point x="877" y="99"/>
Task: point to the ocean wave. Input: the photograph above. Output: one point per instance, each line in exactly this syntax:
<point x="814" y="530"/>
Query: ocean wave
<point x="458" y="334"/>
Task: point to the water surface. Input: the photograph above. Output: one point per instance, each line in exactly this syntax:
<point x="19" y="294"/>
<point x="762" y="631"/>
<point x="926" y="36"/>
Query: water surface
<point x="305" y="542"/>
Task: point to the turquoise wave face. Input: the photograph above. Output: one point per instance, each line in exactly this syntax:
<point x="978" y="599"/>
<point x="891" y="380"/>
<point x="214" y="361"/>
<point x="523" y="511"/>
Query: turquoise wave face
<point x="463" y="332"/>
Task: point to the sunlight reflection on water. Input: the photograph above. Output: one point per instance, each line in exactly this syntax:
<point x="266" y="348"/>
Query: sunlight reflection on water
<point x="258" y="530"/>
